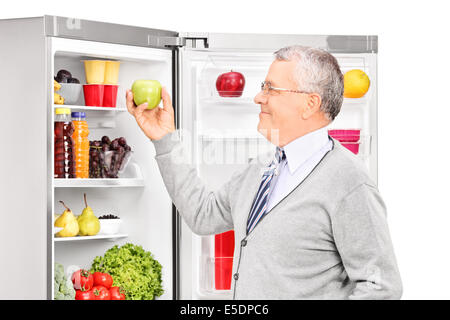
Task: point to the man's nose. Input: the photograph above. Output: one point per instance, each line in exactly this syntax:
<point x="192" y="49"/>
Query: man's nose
<point x="260" y="98"/>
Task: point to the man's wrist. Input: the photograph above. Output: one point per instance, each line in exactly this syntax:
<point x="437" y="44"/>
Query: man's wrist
<point x="166" y="143"/>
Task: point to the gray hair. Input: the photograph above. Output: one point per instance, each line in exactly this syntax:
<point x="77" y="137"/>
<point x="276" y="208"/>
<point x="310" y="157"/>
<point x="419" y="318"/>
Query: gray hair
<point x="317" y="71"/>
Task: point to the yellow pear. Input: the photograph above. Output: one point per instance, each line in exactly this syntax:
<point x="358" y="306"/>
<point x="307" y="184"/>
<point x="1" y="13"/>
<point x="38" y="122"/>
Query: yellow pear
<point x="68" y="222"/>
<point x="88" y="222"/>
<point x="56" y="85"/>
<point x="58" y="98"/>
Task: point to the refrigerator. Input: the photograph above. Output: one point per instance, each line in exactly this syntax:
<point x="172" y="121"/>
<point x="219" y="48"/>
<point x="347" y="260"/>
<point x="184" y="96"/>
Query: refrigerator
<point x="219" y="135"/>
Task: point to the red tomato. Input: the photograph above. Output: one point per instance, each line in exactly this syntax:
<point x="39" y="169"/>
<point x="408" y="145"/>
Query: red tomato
<point x="117" y="293"/>
<point x="101" y="293"/>
<point x="103" y="279"/>
<point x="82" y="280"/>
<point x="84" y="295"/>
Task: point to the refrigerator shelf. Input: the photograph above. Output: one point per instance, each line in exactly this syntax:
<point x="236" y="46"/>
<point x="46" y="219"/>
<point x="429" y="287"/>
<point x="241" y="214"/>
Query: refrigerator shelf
<point x="110" y="237"/>
<point x="232" y="101"/>
<point x="132" y="177"/>
<point x="89" y="108"/>
<point x="98" y="183"/>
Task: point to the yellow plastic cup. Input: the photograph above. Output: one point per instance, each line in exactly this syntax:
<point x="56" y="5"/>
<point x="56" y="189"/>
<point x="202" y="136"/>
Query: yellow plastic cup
<point x="112" y="72"/>
<point x="95" y="71"/>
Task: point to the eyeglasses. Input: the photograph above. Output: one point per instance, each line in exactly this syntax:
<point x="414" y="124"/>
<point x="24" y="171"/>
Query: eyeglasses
<point x="266" y="88"/>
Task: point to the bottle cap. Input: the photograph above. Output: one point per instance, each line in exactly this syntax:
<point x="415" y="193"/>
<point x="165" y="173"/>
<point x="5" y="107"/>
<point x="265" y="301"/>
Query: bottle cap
<point x="78" y="114"/>
<point x="62" y="110"/>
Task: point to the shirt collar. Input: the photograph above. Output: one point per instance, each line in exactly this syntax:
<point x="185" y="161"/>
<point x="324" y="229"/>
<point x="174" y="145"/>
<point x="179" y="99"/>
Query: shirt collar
<point x="301" y="149"/>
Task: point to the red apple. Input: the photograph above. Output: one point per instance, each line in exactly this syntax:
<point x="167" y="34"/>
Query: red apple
<point x="230" y="84"/>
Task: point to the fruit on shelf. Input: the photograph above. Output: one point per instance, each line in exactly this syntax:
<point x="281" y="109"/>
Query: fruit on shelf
<point x="102" y="279"/>
<point x="106" y="140"/>
<point x="84" y="295"/>
<point x="88" y="222"/>
<point x="82" y="280"/>
<point x="62" y="76"/>
<point x="68" y="222"/>
<point x="58" y="99"/>
<point x="356" y="83"/>
<point x="108" y="216"/>
<point x="73" y="80"/>
<point x="101" y="293"/>
<point x="230" y="84"/>
<point x="107" y="158"/>
<point x="56" y="85"/>
<point x="147" y="91"/>
<point x="117" y="293"/>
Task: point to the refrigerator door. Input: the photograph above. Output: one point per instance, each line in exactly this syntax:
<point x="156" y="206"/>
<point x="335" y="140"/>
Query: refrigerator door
<point x="23" y="186"/>
<point x="220" y="131"/>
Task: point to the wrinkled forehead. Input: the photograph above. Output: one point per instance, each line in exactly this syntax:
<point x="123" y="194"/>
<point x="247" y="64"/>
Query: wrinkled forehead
<point x="281" y="73"/>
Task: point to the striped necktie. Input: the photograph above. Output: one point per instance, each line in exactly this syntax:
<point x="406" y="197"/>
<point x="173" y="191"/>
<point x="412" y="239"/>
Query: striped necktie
<point x="259" y="206"/>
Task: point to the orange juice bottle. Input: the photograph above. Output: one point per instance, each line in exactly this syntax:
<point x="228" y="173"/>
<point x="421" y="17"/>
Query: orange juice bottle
<point x="81" y="144"/>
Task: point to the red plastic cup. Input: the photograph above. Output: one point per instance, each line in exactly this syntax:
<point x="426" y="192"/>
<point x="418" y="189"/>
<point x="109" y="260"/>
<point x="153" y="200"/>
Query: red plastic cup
<point x="110" y="95"/>
<point x="345" y="135"/>
<point x="223" y="273"/>
<point x="223" y="252"/>
<point x="93" y="94"/>
<point x="353" y="147"/>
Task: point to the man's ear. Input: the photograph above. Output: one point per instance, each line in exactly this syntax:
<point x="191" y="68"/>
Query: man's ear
<point x="313" y="103"/>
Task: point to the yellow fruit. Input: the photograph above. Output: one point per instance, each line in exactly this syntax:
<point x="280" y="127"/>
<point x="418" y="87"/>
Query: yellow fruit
<point x="68" y="222"/>
<point x="58" y="99"/>
<point x="88" y="223"/>
<point x="56" y="85"/>
<point x="356" y="83"/>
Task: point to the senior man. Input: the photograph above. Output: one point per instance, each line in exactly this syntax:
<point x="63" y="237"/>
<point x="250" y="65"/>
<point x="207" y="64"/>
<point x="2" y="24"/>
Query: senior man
<point x="309" y="222"/>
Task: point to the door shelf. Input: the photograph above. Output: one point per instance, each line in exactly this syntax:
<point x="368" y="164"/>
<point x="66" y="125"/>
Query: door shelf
<point x="89" y="108"/>
<point x="110" y="237"/>
<point x="208" y="276"/>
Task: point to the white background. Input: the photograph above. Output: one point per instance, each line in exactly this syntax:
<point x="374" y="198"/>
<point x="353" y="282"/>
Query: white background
<point x="413" y="84"/>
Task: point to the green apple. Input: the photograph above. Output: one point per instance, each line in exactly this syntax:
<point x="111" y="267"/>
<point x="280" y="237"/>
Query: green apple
<point x="147" y="91"/>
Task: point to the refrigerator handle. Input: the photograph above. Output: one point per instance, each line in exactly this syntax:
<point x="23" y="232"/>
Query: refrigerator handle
<point x="158" y="41"/>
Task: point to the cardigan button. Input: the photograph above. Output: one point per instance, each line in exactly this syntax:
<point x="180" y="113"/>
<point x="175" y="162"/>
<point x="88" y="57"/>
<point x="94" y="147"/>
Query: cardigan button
<point x="243" y="242"/>
<point x="236" y="276"/>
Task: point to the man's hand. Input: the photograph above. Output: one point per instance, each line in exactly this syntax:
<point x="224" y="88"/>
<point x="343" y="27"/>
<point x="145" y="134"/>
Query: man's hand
<point x="157" y="122"/>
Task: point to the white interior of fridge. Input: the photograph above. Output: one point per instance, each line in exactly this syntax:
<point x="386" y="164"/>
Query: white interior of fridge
<point x="223" y="132"/>
<point x="138" y="196"/>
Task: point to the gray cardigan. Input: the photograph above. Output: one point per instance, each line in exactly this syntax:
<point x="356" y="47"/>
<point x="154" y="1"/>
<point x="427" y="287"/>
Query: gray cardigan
<point x="327" y="239"/>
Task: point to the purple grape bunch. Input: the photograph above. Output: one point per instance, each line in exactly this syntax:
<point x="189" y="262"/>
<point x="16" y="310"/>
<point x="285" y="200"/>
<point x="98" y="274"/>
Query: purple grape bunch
<point x="97" y="165"/>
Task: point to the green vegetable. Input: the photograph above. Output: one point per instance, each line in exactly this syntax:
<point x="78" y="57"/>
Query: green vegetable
<point x="62" y="286"/>
<point x="133" y="269"/>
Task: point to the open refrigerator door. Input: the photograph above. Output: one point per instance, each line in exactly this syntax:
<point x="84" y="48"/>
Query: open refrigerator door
<point x="220" y="129"/>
